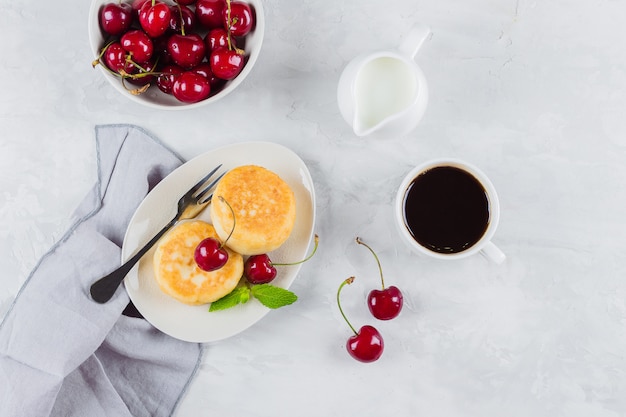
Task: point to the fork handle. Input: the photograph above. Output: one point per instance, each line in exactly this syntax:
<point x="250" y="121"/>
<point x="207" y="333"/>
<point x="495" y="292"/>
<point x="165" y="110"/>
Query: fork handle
<point x="103" y="289"/>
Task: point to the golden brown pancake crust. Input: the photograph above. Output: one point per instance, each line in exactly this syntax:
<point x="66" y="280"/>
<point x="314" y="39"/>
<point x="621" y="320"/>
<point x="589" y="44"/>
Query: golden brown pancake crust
<point x="178" y="274"/>
<point x="264" y="207"/>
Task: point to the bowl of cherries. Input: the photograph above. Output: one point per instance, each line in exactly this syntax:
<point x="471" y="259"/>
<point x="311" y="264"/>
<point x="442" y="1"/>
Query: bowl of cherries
<point x="175" y="54"/>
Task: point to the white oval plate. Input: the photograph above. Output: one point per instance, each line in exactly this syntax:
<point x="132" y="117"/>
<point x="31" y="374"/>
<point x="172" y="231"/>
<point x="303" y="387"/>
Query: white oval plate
<point x="195" y="323"/>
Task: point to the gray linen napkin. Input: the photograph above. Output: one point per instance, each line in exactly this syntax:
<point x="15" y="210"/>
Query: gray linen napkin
<point x="62" y="354"/>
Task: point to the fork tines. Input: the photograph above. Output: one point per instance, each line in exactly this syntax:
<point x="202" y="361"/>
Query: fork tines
<point x="201" y="194"/>
<point x="203" y="180"/>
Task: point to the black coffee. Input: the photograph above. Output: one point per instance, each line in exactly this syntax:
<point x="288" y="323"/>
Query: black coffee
<point x="446" y="209"/>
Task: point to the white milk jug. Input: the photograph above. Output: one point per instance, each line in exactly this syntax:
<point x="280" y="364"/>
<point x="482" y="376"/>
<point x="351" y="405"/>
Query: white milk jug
<point x="385" y="91"/>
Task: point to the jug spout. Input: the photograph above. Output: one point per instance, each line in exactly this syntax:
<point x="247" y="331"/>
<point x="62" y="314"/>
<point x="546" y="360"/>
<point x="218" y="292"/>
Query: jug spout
<point x="362" y="128"/>
<point x="392" y="124"/>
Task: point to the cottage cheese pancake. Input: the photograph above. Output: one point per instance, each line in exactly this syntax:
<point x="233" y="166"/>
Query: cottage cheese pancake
<point x="177" y="273"/>
<point x="264" y="206"/>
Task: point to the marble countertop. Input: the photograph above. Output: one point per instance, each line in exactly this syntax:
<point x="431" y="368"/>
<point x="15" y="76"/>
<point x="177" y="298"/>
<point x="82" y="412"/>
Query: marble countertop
<point x="532" y="92"/>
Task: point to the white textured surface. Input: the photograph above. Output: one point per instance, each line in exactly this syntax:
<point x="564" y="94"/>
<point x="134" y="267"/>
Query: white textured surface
<point x="533" y="92"/>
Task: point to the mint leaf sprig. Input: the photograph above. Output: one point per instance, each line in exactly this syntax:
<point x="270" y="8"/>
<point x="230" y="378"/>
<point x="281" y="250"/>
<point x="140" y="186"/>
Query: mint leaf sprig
<point x="269" y="295"/>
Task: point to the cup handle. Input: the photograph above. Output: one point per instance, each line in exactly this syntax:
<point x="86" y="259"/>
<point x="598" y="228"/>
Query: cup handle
<point x="414" y="40"/>
<point x="491" y="252"/>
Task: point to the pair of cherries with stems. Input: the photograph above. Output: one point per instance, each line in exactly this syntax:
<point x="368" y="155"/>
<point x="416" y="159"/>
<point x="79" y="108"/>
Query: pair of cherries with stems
<point x="211" y="255"/>
<point x="367" y="344"/>
<point x="259" y="271"/>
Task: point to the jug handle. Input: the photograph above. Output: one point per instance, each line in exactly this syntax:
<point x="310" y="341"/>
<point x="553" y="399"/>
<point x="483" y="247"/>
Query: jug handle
<point x="413" y="40"/>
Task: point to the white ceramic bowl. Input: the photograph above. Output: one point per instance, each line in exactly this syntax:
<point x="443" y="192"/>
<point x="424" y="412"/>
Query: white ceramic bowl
<point x="154" y="97"/>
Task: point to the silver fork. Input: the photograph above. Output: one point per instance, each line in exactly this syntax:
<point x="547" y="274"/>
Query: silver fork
<point x="189" y="206"/>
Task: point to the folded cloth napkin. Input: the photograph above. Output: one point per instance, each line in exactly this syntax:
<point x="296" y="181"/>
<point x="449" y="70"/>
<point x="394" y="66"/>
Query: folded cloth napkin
<point x="61" y="353"/>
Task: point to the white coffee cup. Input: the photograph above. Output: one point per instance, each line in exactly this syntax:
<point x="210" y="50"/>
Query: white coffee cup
<point x="483" y="245"/>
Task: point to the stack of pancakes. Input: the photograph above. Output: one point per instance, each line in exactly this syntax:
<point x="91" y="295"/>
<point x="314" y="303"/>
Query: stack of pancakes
<point x="264" y="209"/>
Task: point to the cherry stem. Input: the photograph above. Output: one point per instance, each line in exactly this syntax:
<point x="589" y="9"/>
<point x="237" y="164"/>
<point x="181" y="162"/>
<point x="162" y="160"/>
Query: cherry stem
<point x="223" y="200"/>
<point x="182" y="19"/>
<point x="346" y="281"/>
<point x="228" y="23"/>
<point x="228" y="32"/>
<point x="134" y="91"/>
<point x="129" y="60"/>
<point x="317" y="239"/>
<point x="380" y="269"/>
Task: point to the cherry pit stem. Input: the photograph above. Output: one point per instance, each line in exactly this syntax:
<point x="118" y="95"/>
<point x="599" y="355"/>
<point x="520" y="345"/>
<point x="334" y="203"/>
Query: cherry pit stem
<point x="346" y="281"/>
<point x="380" y="269"/>
<point x="316" y="244"/>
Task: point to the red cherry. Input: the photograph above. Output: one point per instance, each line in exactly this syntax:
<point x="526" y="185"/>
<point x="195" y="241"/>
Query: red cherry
<point x="258" y="269"/>
<point x="167" y="76"/>
<point x="182" y="18"/>
<point x="185" y="2"/>
<point x="217" y="38"/>
<point x="116" y="18"/>
<point x="384" y="304"/>
<point x="154" y="18"/>
<point x="115" y="59"/>
<point x="209" y="13"/>
<point x="210" y="254"/>
<point x="191" y="87"/>
<point x="367" y="344"/>
<point x="239" y="18"/>
<point x="204" y="69"/>
<point x="226" y="63"/>
<point x="186" y="50"/>
<point x="138" y="44"/>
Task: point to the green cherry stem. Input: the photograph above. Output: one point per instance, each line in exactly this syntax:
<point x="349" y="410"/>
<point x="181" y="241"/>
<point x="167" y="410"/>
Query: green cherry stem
<point x="380" y="269"/>
<point x="346" y="281"/>
<point x="228" y="23"/>
<point x="316" y="244"/>
<point x="144" y="72"/>
<point x="182" y="19"/>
